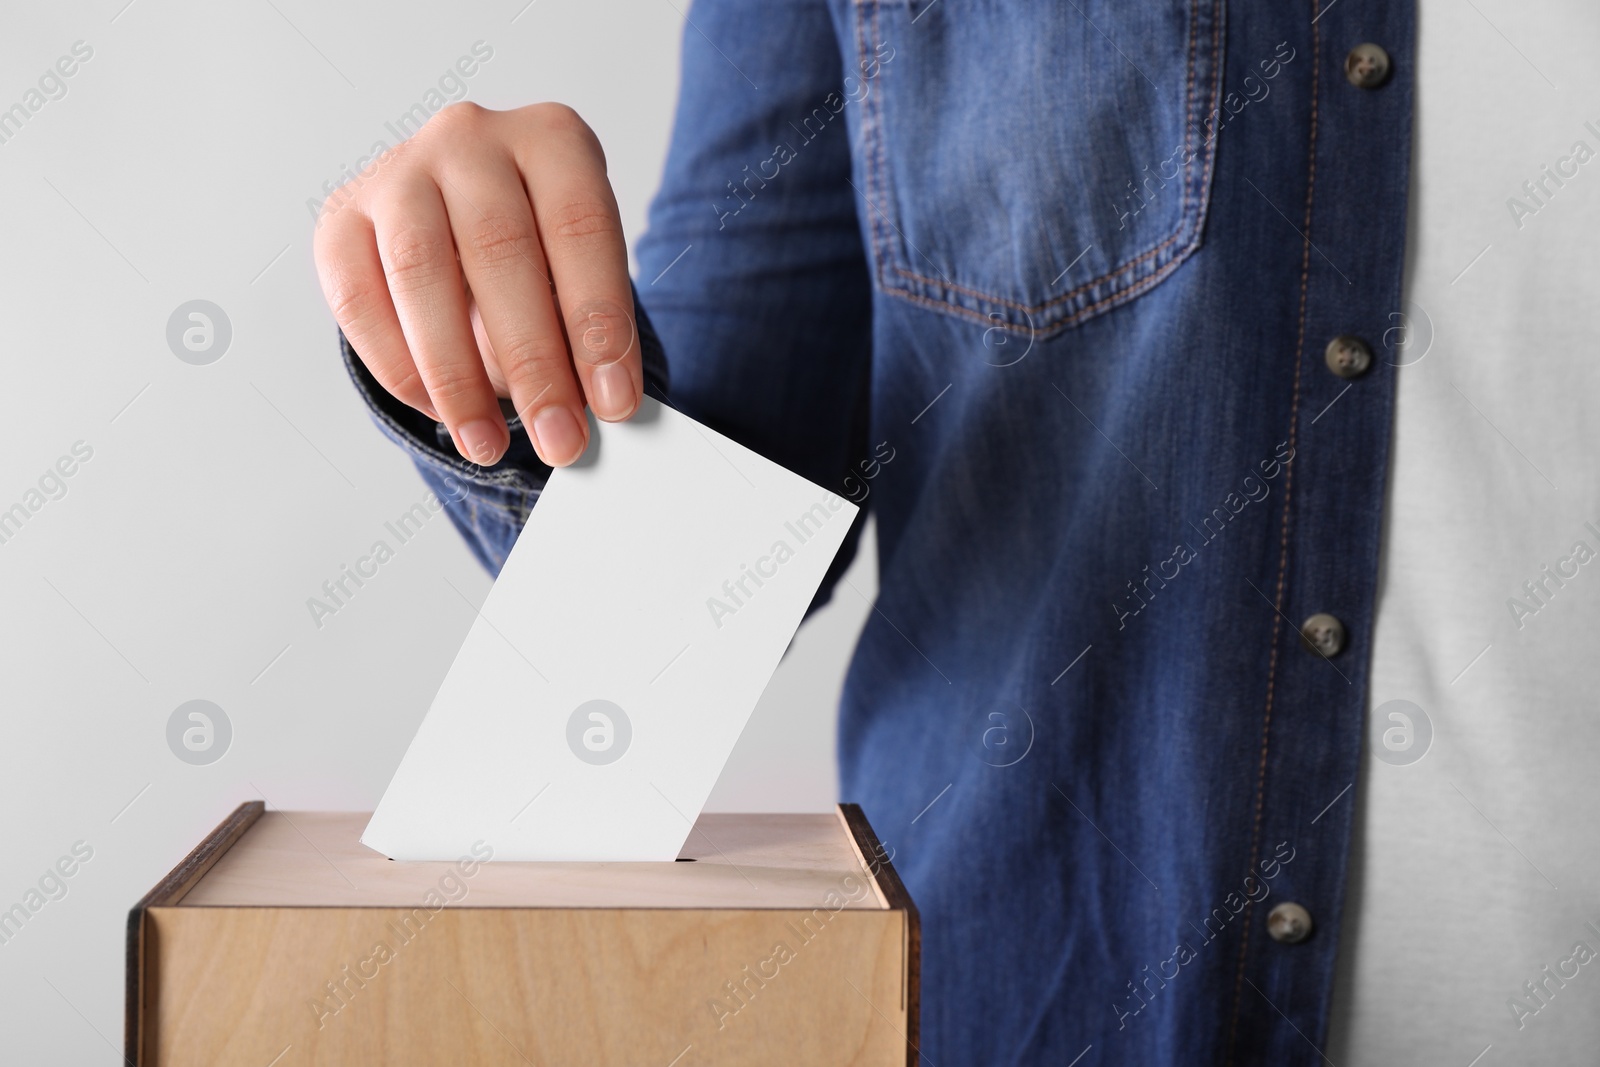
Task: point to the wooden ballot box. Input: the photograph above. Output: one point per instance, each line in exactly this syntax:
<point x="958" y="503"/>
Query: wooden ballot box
<point x="281" y="940"/>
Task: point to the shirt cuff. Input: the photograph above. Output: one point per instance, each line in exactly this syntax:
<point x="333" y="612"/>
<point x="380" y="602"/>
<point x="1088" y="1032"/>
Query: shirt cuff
<point x="488" y="504"/>
<point x="429" y="444"/>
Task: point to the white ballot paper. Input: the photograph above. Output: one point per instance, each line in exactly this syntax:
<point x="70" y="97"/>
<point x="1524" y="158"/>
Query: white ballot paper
<point x="618" y="656"/>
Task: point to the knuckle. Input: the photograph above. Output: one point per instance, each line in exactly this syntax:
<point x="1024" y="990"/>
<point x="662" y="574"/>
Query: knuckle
<point x="560" y="118"/>
<point x="354" y="305"/>
<point x="583" y="220"/>
<point x="463" y="116"/>
<point x="560" y="121"/>
<point x="351" y="307"/>
<point x="341" y="218"/>
<point x="418" y="258"/>
<point x="501" y="240"/>
<point x="369" y="190"/>
<point x="455" y="386"/>
<point x="407" y="385"/>
<point x="529" y="359"/>
<point x="334" y="208"/>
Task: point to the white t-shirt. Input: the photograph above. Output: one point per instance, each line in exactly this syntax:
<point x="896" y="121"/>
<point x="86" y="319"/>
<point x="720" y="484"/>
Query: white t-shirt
<point x="1473" y="920"/>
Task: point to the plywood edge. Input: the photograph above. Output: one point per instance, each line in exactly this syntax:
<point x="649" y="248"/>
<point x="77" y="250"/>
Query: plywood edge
<point x="170" y="890"/>
<point x="875" y="859"/>
<point x="886" y="880"/>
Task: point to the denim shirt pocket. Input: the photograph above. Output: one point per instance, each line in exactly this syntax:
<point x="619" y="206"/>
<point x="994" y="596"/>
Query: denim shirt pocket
<point x="1030" y="164"/>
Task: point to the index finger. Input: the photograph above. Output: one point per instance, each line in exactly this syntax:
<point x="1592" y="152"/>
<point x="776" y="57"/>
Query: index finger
<point x="581" y="232"/>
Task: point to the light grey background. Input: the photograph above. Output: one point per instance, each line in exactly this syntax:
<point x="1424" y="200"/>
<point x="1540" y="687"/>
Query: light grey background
<point x="218" y="498"/>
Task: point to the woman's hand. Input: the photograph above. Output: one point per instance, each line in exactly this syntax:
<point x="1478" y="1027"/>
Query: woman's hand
<point x="484" y="258"/>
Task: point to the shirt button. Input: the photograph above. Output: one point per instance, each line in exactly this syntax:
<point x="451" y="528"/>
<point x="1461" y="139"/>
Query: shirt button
<point x="1323" y="633"/>
<point x="1367" y="66"/>
<point x="1348" y="356"/>
<point x="1289" y="923"/>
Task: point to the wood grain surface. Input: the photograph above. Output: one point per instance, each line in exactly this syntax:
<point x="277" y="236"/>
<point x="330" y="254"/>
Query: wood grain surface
<point x="518" y="986"/>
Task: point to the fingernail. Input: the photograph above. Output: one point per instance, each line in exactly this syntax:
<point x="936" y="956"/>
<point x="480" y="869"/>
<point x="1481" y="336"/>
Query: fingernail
<point x="613" y="392"/>
<point x="480" y="441"/>
<point x="558" y="435"/>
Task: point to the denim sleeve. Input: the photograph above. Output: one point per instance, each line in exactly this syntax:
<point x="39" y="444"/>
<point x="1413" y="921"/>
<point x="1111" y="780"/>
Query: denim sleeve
<point x="753" y="267"/>
<point x="489" y="505"/>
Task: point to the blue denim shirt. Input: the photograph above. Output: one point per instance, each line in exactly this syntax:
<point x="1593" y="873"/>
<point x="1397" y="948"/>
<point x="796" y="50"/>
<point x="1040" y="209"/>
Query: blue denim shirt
<point x="1048" y="287"/>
